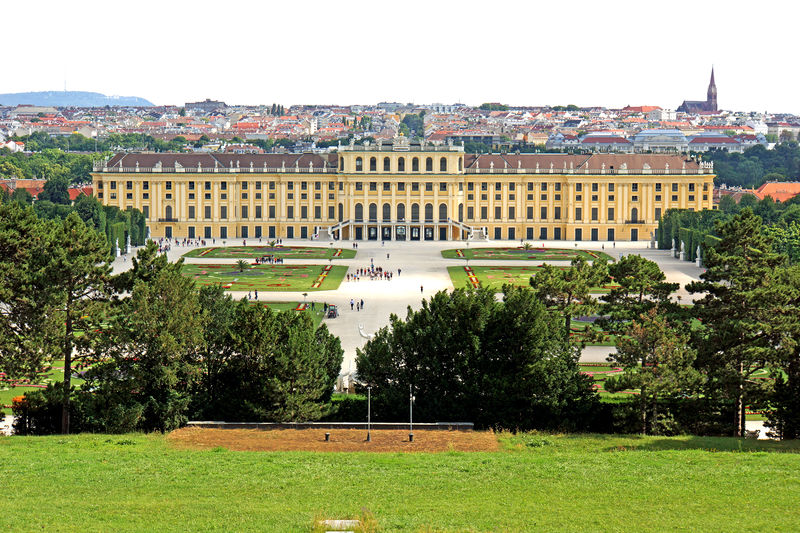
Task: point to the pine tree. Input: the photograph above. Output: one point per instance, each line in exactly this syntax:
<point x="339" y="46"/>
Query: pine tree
<point x="657" y="360"/>
<point x="568" y="290"/>
<point x="739" y="333"/>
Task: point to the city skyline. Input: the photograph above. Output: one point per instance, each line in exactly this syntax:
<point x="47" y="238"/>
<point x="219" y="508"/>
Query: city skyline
<point x="583" y="54"/>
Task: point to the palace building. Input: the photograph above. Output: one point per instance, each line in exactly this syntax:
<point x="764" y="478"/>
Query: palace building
<point x="404" y="191"/>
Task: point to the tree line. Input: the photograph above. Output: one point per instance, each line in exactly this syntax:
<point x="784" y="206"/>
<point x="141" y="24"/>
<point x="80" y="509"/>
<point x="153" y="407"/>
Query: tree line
<point x="756" y="165"/>
<point x="152" y="348"/>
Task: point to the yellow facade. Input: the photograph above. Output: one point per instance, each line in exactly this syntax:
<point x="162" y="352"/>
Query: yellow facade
<point x="405" y="192"/>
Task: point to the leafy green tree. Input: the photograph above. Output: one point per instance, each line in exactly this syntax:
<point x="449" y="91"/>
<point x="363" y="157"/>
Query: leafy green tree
<point x="739" y="329"/>
<point x="57" y="191"/>
<point x="657" y="360"/>
<point x="146" y="265"/>
<point x="568" y="291"/>
<point x="728" y="205"/>
<point x="468" y="357"/>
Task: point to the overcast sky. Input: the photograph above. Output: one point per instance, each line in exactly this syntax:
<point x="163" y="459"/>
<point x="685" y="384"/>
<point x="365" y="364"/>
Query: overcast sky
<point x="607" y="53"/>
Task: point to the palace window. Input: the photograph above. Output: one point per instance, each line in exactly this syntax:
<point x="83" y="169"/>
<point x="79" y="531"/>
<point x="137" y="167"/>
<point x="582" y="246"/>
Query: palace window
<point x="415" y="164"/>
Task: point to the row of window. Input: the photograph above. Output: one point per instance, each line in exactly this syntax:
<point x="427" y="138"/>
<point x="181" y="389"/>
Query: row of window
<point x="510" y="233"/>
<point x="401" y="164"/>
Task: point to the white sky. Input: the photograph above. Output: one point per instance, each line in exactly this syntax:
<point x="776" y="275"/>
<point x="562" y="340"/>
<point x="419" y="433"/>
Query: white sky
<point x="609" y="53"/>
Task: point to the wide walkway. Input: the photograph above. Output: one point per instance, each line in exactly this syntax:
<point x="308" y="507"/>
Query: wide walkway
<point x="423" y="271"/>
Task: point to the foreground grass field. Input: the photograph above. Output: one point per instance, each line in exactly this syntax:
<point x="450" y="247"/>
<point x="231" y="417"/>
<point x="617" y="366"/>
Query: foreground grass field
<point x="268" y="277"/>
<point x="533" y="254"/>
<point x="538" y="483"/>
<point x="287" y="252"/>
<point x="495" y="277"/>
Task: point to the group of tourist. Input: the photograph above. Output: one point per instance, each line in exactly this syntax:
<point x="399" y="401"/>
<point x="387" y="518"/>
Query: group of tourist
<point x="373" y="273"/>
<point x="269" y="260"/>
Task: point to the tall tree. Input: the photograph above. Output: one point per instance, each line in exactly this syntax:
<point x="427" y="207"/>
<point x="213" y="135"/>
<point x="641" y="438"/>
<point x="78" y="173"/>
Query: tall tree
<point x="79" y="270"/>
<point x="56" y="190"/>
<point x="739" y="332"/>
<point x="657" y="360"/>
<point x="568" y="291"/>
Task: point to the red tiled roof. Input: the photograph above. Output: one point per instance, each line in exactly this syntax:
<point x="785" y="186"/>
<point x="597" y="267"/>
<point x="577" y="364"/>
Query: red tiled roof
<point x="780" y="191"/>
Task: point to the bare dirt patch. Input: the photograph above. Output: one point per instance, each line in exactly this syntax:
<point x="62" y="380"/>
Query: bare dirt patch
<point x="341" y="440"/>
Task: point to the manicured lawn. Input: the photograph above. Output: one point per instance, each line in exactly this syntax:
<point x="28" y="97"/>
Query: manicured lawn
<point x="315" y="314"/>
<point x="497" y="276"/>
<point x="538" y="482"/>
<point x="534" y="254"/>
<point x="290" y="252"/>
<point x="268" y="277"/>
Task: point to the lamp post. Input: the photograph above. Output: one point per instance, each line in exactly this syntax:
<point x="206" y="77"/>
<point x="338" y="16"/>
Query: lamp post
<point x="369" y="414"/>
<point x="410" y="414"/>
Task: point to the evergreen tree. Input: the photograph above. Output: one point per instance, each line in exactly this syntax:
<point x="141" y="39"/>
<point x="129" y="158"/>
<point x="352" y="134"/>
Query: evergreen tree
<point x="79" y="271"/>
<point x="151" y="345"/>
<point x="28" y="337"/>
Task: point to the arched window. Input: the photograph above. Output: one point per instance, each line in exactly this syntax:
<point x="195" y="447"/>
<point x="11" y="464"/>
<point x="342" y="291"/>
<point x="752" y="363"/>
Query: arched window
<point x="460" y="164"/>
<point x="429" y="164"/>
<point x="415" y="164"/>
<point x="168" y="212"/>
<point x="359" y="212"/>
<point x="442" y="212"/>
<point x="461" y="212"/>
<point x="341" y="212"/>
<point x="414" y="212"/>
<point x="401" y="164"/>
<point x="373" y="212"/>
<point x="401" y="211"/>
<point x="373" y="164"/>
<point x="341" y="163"/>
<point x="359" y="164"/>
<point x="428" y="212"/>
<point x="634" y="214"/>
<point x="387" y="212"/>
<point x="386" y="164"/>
<point x="443" y="164"/>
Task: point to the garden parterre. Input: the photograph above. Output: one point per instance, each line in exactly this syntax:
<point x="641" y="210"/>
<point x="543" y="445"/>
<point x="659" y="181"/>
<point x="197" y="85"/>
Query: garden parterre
<point x="268" y="277"/>
<point x="278" y="251"/>
<point x="530" y="254"/>
<point x="496" y="276"/>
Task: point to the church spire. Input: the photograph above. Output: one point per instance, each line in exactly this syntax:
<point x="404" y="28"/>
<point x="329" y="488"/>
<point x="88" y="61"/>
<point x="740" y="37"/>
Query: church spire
<point x="711" y="99"/>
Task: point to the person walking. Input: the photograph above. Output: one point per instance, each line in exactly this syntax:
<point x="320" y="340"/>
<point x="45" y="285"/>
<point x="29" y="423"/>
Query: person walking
<point x="352" y="304"/>
<point x="362" y="304"/>
<point x="420" y="288"/>
<point x="256" y="295"/>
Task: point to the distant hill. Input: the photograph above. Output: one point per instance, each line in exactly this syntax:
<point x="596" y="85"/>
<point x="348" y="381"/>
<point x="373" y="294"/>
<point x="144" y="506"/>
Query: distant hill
<point x="71" y="99"/>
